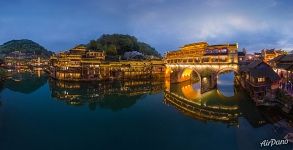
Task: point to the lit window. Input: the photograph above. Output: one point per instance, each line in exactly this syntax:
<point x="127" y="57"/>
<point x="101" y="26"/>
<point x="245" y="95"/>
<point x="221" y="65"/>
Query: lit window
<point x="261" y="79"/>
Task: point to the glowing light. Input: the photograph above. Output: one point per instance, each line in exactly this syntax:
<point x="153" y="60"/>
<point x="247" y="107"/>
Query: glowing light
<point x="187" y="73"/>
<point x="190" y="93"/>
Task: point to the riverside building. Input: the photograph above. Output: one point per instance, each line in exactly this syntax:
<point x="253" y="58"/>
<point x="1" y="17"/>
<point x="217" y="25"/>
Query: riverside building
<point x="201" y="52"/>
<point x="80" y="64"/>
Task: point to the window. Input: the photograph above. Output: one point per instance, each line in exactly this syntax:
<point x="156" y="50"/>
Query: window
<point x="261" y="79"/>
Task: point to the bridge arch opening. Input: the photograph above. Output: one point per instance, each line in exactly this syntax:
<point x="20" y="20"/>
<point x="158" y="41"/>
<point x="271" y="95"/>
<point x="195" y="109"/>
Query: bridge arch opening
<point x="235" y="70"/>
<point x="226" y="82"/>
<point x="192" y="89"/>
<point x="189" y="74"/>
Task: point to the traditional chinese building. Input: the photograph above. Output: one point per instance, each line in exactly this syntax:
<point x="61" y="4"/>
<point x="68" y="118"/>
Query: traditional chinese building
<point x="269" y="54"/>
<point x="260" y="80"/>
<point x="283" y="65"/>
<point x="201" y="52"/>
<point x="16" y="63"/>
<point x="76" y="63"/>
<point x="24" y="61"/>
<point x="79" y="64"/>
<point x="241" y="56"/>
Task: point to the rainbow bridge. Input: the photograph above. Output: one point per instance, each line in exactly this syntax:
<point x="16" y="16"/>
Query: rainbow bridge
<point x="206" y="61"/>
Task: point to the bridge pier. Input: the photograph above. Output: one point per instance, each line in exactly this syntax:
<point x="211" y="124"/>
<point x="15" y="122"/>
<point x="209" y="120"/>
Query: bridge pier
<point x="208" y="83"/>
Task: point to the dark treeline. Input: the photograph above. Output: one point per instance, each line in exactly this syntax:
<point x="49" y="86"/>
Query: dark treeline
<point x="24" y="46"/>
<point x="118" y="44"/>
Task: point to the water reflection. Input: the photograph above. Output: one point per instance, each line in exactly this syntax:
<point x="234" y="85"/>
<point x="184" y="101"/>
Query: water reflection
<point x="228" y="104"/>
<point x="211" y="112"/>
<point x="221" y="104"/>
<point x="25" y="82"/>
<point x="226" y="83"/>
<point x="116" y="95"/>
<point x="113" y="95"/>
<point x="225" y="104"/>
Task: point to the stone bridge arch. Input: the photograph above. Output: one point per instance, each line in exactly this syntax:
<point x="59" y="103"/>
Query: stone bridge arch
<point x="185" y="74"/>
<point x="208" y="74"/>
<point x="235" y="69"/>
<point x="182" y="74"/>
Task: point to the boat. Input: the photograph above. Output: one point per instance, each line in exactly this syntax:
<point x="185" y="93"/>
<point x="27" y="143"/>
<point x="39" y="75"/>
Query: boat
<point x="17" y="80"/>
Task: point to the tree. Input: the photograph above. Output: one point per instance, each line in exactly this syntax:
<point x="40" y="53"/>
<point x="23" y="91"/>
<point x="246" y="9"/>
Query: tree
<point x="147" y="49"/>
<point x="111" y="50"/>
<point x="92" y="45"/>
<point x="122" y="44"/>
<point x="24" y="46"/>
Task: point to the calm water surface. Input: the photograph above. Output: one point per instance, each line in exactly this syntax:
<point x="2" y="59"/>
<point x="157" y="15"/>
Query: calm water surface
<point x="38" y="113"/>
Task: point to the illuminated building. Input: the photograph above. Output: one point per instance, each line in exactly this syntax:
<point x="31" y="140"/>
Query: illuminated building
<point x="269" y="54"/>
<point x="201" y="52"/>
<point x="72" y="64"/>
<point x="241" y="56"/>
<point x="79" y="64"/>
<point x="283" y="65"/>
<point x="22" y="61"/>
<point x="207" y="61"/>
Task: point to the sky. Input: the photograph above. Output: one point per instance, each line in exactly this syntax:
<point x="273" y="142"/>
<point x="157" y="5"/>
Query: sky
<point x="164" y="24"/>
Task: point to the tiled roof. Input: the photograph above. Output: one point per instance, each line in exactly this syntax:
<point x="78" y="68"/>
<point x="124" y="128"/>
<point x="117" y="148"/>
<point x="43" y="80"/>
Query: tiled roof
<point x="250" y="65"/>
<point x="265" y="72"/>
<point x="277" y="59"/>
<point x="285" y="66"/>
<point x="262" y="71"/>
<point x="271" y="51"/>
<point x="287" y="58"/>
<point x="254" y="64"/>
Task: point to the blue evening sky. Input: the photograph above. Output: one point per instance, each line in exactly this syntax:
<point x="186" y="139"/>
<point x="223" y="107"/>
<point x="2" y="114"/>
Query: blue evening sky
<point x="164" y="24"/>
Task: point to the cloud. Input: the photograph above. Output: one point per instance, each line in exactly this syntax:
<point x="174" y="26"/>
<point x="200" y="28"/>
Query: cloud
<point x="166" y="25"/>
<point x="228" y="27"/>
<point x="252" y="24"/>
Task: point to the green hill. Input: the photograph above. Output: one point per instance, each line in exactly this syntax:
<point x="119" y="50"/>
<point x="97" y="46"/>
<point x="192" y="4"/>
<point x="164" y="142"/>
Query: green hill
<point x="118" y="44"/>
<point x="24" y="46"/>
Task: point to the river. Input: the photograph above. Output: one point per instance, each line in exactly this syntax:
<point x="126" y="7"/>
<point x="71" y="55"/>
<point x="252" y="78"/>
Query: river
<point x="38" y="113"/>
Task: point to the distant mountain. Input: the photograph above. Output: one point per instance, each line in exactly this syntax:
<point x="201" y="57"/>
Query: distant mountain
<point x="24" y="46"/>
<point x="118" y="44"/>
